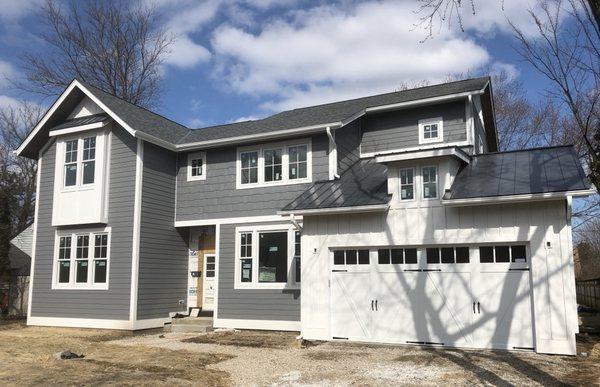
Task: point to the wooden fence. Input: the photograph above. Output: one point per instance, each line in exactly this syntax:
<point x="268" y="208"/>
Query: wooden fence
<point x="588" y="293"/>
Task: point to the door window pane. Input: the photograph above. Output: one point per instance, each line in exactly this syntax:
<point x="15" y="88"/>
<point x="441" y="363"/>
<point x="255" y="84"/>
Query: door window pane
<point x="272" y="257"/>
<point x="273" y="165"/>
<point x="351" y="258"/>
<point x="363" y="257"/>
<point x="462" y="255"/>
<point x="297" y="254"/>
<point x="518" y="253"/>
<point x="447" y="255"/>
<point x="397" y="257"/>
<point x="338" y="257"/>
<point x="406" y="184"/>
<point x="502" y="254"/>
<point x="486" y="254"/>
<point x="246" y="270"/>
<point x="410" y="256"/>
<point x="433" y="255"/>
<point x="383" y="256"/>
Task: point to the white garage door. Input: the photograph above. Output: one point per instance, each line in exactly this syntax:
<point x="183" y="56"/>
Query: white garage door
<point x="475" y="297"/>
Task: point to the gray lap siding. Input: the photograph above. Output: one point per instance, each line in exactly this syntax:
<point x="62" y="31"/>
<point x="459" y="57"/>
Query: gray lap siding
<point x="97" y="304"/>
<point x="400" y="129"/>
<point x="249" y="304"/>
<point x="163" y="263"/>
<point x="217" y="196"/>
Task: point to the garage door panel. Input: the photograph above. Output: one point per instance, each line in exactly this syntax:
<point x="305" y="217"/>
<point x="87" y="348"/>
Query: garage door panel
<point x="351" y="305"/>
<point x="504" y="314"/>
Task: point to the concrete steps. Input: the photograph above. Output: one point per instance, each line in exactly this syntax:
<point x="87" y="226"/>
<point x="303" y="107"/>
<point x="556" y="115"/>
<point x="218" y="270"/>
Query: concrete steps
<point x="191" y="325"/>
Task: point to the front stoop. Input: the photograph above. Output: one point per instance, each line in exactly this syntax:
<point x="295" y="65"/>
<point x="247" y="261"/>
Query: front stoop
<point x="191" y="325"/>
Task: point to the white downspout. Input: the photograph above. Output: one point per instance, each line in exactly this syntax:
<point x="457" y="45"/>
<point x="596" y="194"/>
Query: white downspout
<point x="332" y="155"/>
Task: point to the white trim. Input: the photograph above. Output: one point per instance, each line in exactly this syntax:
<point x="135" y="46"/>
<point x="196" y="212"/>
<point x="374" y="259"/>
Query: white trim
<point x="196" y="156"/>
<point x="414" y="184"/>
<point x="260" y="150"/>
<point x="333" y="162"/>
<point x="367" y="155"/>
<point x="338" y="210"/>
<point x="437" y="182"/>
<point x="423" y="154"/>
<point x="217" y="265"/>
<point x="97" y="323"/>
<point x="470" y="127"/>
<point x="77" y="129"/>
<point x="245" y="219"/>
<point x="35" y="227"/>
<point x="260" y="136"/>
<point x="135" y="253"/>
<point x="255" y="231"/>
<point x="516" y="198"/>
<point x="439" y="121"/>
<point x="273" y="325"/>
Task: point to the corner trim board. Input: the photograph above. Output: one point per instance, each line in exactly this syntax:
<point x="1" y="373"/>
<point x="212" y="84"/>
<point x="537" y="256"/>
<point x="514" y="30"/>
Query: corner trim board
<point x="35" y="227"/>
<point x="135" y="251"/>
<point x="273" y="325"/>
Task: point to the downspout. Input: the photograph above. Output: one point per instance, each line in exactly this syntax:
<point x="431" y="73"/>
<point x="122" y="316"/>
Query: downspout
<point x="332" y="155"/>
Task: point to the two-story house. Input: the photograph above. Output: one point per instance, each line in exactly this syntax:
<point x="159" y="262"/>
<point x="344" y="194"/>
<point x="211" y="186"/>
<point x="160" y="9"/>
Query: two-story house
<point x="391" y="218"/>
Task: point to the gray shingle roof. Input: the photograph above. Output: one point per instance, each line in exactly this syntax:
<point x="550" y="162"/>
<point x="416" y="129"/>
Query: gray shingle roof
<point x="365" y="183"/>
<point x="82" y="121"/>
<point x="331" y="112"/>
<point x="530" y="171"/>
<point x="141" y="119"/>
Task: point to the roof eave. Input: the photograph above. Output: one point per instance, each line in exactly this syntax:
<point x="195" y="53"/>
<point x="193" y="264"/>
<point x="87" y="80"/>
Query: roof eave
<point x="337" y="210"/>
<point x="486" y="200"/>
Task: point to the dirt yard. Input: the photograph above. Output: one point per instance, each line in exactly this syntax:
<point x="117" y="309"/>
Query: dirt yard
<point x="260" y="358"/>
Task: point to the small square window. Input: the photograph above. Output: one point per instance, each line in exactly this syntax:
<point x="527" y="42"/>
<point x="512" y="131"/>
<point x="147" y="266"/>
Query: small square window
<point x="383" y="256"/>
<point x="431" y="130"/>
<point x="447" y="255"/>
<point x="197" y="166"/>
<point x="351" y="257"/>
<point x="462" y="255"/>
<point x="486" y="254"/>
<point x="502" y="254"/>
<point x="518" y="253"/>
<point x="433" y="255"/>
<point x="410" y="256"/>
<point x="397" y="257"/>
<point x="363" y="257"/>
<point x="338" y="257"/>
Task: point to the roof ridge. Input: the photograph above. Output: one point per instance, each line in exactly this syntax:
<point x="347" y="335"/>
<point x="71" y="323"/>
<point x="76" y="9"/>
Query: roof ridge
<point x="382" y="94"/>
<point x="524" y="150"/>
<point x="133" y="104"/>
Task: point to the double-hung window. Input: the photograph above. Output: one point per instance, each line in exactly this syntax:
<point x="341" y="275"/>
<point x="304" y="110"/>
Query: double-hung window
<point x="79" y="167"/>
<point x="431" y="130"/>
<point x="407" y="186"/>
<point x="274" y="164"/>
<point x="196" y="168"/>
<point x="267" y="257"/>
<point x="430" y="182"/>
<point x="81" y="260"/>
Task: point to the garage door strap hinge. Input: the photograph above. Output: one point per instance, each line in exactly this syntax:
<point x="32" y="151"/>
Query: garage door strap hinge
<point x="339" y="271"/>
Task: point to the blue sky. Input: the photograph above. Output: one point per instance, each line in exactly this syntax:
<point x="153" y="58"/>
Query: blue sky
<point x="236" y="60"/>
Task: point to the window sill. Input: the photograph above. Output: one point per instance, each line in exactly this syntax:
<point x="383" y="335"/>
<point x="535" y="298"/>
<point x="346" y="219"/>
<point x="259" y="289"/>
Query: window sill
<point x="196" y="178"/>
<point x="431" y="141"/>
<point x="266" y="286"/>
<point x="79" y="287"/>
<point x="273" y="184"/>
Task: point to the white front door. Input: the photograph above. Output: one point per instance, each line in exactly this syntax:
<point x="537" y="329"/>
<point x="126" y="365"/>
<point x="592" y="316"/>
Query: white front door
<point x="208" y="293"/>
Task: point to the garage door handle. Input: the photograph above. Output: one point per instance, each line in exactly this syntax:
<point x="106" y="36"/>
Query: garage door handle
<point x="473" y="307"/>
<point x="372" y="304"/>
<point x="478" y="307"/>
<point x="375" y="305"/>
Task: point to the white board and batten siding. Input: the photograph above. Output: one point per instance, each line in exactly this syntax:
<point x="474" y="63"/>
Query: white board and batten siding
<point x="541" y="226"/>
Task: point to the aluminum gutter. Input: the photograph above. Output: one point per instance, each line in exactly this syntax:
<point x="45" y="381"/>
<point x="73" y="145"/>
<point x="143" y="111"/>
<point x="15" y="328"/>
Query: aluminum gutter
<point x="337" y="210"/>
<point x="516" y="198"/>
<point x="423" y="154"/>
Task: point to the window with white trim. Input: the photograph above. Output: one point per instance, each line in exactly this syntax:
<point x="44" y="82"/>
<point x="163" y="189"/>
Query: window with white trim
<point x="274" y="164"/>
<point x="429" y="176"/>
<point x="79" y="167"/>
<point x="196" y="167"/>
<point x="407" y="184"/>
<point x="431" y="130"/>
<point x="267" y="257"/>
<point x="81" y="260"/>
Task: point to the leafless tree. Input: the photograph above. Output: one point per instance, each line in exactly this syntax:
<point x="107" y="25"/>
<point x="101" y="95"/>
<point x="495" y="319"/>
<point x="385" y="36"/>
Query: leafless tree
<point x="18" y="174"/>
<point x="442" y="12"/>
<point x="115" y="45"/>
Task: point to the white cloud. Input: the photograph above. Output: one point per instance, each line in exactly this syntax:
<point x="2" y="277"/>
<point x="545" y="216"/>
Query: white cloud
<point x="7" y="72"/>
<point x="328" y="53"/>
<point x="185" y="53"/>
<point x="8" y="102"/>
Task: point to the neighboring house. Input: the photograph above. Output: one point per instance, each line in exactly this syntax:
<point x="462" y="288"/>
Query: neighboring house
<point x="19" y="256"/>
<point x="390" y="218"/>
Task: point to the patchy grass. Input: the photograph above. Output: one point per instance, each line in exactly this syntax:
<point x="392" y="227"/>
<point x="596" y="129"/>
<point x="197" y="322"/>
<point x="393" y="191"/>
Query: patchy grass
<point x="27" y="356"/>
<point x="254" y="339"/>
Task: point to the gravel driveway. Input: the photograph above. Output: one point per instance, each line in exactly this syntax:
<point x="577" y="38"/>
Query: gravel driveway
<point x="280" y="362"/>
